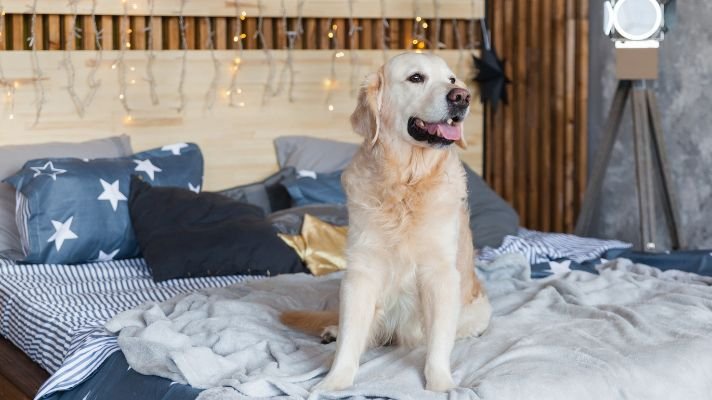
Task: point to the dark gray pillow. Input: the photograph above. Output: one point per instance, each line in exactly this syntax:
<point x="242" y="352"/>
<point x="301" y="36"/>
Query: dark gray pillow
<point x="268" y="194"/>
<point x="289" y="222"/>
<point x="12" y="158"/>
<point x="491" y="218"/>
<point x="313" y="154"/>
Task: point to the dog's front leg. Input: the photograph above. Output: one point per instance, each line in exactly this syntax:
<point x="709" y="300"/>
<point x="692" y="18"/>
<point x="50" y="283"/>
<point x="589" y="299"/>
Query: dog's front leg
<point x="359" y="292"/>
<point x="440" y="294"/>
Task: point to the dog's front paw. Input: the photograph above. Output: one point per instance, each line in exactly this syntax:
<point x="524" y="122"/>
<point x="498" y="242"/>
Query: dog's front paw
<point x="439" y="381"/>
<point x="334" y="382"/>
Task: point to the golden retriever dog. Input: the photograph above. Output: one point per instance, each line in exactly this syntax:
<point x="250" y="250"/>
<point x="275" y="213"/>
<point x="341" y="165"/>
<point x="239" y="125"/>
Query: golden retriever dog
<point x="410" y="278"/>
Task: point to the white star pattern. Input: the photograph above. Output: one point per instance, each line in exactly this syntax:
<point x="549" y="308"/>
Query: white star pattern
<point x="49" y="170"/>
<point x="559" y="268"/>
<point x="62" y="233"/>
<point x="194" y="189"/>
<point x="147" y="167"/>
<point x="111" y="193"/>
<point x="107" y="257"/>
<point x="174" y="148"/>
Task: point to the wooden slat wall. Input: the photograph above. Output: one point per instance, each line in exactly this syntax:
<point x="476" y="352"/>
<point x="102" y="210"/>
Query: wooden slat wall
<point x="536" y="146"/>
<point x="53" y="33"/>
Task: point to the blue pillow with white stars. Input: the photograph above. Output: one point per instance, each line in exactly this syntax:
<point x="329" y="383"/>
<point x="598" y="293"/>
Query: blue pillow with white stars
<point x="71" y="210"/>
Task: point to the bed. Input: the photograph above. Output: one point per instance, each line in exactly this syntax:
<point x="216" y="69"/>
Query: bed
<point x="72" y="343"/>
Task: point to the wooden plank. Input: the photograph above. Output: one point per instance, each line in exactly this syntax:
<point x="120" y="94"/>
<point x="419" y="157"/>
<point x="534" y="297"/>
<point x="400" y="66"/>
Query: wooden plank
<point x="559" y="124"/>
<point x="341" y="32"/>
<point x="190" y="31"/>
<point x="237" y="142"/>
<point x="138" y="32"/>
<point x="53" y="32"/>
<point x="570" y="117"/>
<point x="226" y="8"/>
<point x="447" y="34"/>
<point x="172" y="34"/>
<point x="203" y="31"/>
<point x="107" y="29"/>
<point x="310" y="34"/>
<point x="220" y="33"/>
<point x="582" y="60"/>
<point x="280" y="33"/>
<point x="324" y="42"/>
<point x="367" y="33"/>
<point x="39" y="33"/>
<point x="157" y="32"/>
<point x="18" y="32"/>
<point x="509" y="141"/>
<point x="533" y="121"/>
<point x="521" y="142"/>
<point x="249" y="41"/>
<point x="394" y="34"/>
<point x="69" y="41"/>
<point x="548" y="71"/>
<point x="273" y="31"/>
<point x="88" y="33"/>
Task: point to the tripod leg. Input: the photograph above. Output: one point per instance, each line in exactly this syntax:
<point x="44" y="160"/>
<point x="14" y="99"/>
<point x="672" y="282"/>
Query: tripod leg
<point x="671" y="204"/>
<point x="603" y="156"/>
<point x="642" y="167"/>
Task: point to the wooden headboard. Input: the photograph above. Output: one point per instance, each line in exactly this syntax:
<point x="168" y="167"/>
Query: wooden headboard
<point x="233" y="122"/>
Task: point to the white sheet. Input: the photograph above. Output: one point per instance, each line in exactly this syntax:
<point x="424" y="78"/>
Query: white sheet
<point x="631" y="332"/>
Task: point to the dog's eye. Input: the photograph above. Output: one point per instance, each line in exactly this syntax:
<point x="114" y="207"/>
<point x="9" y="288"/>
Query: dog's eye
<point x="416" y="78"/>
<point x="452" y="80"/>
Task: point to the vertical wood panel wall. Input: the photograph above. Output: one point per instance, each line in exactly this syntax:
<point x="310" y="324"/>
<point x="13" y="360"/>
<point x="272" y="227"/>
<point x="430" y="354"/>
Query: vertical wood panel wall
<point x="536" y="146"/>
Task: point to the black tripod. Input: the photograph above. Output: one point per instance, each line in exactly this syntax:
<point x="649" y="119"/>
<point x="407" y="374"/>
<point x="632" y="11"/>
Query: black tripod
<point x="647" y="128"/>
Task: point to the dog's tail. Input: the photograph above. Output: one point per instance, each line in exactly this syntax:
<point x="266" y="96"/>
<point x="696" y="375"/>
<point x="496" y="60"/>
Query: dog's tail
<point x="311" y="322"/>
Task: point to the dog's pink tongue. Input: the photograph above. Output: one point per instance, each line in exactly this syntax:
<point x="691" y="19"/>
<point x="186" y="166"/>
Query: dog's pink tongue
<point x="450" y="132"/>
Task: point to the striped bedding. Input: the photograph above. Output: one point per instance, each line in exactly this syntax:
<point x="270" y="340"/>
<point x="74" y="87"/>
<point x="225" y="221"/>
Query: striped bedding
<point x="55" y="313"/>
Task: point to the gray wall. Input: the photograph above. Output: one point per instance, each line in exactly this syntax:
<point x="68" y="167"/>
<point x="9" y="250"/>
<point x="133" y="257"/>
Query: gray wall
<point x="685" y="96"/>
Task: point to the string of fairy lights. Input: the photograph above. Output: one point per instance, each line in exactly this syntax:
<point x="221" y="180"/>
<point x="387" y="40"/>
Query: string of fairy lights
<point x="275" y="83"/>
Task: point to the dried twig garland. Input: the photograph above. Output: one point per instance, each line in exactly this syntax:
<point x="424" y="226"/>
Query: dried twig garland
<point x="184" y="58"/>
<point x="151" y="57"/>
<point x="292" y="36"/>
<point x="259" y="34"/>
<point x="9" y="87"/>
<point x="38" y="76"/>
<point x="212" y="92"/>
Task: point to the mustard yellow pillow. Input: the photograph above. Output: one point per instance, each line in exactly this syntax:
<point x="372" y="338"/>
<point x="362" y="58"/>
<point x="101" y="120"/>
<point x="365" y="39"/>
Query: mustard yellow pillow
<point x="320" y="245"/>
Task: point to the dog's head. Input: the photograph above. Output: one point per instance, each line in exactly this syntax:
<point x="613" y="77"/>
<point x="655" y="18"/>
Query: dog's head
<point x="414" y="97"/>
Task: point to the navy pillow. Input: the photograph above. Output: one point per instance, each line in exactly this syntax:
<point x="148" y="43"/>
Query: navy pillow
<point x="71" y="210"/>
<point x="313" y="188"/>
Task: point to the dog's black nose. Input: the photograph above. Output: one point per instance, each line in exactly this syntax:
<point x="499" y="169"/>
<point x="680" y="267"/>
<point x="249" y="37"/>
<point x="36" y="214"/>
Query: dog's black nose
<point x="459" y="97"/>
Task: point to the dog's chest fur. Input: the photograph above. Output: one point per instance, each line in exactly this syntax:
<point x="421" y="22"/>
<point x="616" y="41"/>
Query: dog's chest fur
<point x="412" y="222"/>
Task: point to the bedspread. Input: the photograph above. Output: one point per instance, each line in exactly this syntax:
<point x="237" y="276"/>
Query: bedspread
<point x="631" y="332"/>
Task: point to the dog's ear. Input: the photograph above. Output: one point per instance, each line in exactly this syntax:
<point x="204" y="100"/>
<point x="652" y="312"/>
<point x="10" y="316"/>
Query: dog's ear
<point x="365" y="118"/>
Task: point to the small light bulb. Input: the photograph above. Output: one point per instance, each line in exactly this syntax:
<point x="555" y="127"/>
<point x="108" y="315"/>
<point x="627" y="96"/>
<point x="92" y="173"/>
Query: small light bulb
<point x="113" y="66"/>
<point x="243" y="35"/>
<point x="121" y="96"/>
<point x="129" y="30"/>
<point x="128" y="45"/>
<point x="237" y="60"/>
<point x="243" y="14"/>
<point x="16" y="84"/>
<point x="327" y="82"/>
<point x="132" y="69"/>
<point x="235" y="38"/>
<point x="133" y="81"/>
<point x="331" y="107"/>
<point x="11" y="116"/>
<point x="330" y="35"/>
<point x="135" y="6"/>
<point x="421" y="45"/>
<point x="415" y="41"/>
<point x="334" y="27"/>
<point x="128" y="118"/>
<point x="227" y="93"/>
<point x="239" y="91"/>
<point x="339" y="54"/>
<point x="425" y="25"/>
<point x="418" y="19"/>
<point x="241" y="104"/>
